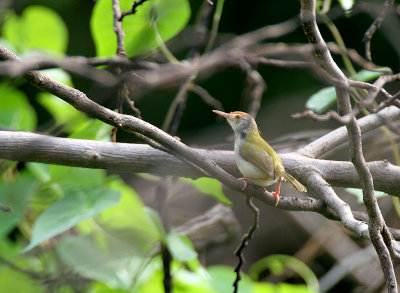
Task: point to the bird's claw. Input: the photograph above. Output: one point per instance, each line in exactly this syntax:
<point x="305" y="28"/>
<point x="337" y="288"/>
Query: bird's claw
<point x="276" y="194"/>
<point x="244" y="180"/>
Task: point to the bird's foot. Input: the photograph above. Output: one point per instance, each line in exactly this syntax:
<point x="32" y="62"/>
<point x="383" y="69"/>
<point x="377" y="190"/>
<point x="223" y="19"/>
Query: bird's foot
<point x="278" y="191"/>
<point x="276" y="194"/>
<point x="244" y="180"/>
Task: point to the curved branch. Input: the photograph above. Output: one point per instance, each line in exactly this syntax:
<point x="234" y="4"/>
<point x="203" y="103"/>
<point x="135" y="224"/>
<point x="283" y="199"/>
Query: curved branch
<point x="376" y="223"/>
<point x="339" y="136"/>
<point x="342" y="209"/>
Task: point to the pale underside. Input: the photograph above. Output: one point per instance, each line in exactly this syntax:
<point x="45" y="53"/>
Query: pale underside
<point x="253" y="173"/>
<point x="262" y="177"/>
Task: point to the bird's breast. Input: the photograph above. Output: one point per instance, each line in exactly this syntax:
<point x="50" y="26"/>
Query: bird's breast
<point x="252" y="172"/>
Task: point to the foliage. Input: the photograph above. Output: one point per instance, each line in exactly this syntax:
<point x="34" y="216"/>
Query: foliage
<point x="86" y="221"/>
<point x="326" y="97"/>
<point x="168" y="16"/>
<point x="25" y="32"/>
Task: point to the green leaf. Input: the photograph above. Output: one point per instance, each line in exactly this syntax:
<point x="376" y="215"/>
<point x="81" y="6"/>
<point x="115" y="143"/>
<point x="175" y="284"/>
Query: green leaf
<point x="73" y="178"/>
<point x="326" y="97"/>
<point x="62" y="112"/>
<point x="157" y="222"/>
<point x="15" y="195"/>
<point x="71" y="210"/>
<point x="185" y="281"/>
<point x="180" y="247"/>
<point x="281" y="288"/>
<point x="116" y="266"/>
<point x="15" y="111"/>
<point x="366" y="75"/>
<point x="277" y="262"/>
<point x="7" y="45"/>
<point x="358" y="193"/>
<point x="223" y="277"/>
<point x="58" y="74"/>
<point x="10" y="279"/>
<point x="93" y="129"/>
<point x="119" y="217"/>
<point x="171" y="17"/>
<point x="14" y="281"/>
<point x="40" y="171"/>
<point x="188" y="282"/>
<point x="209" y="186"/>
<point x="322" y="100"/>
<point x="38" y="27"/>
<point x="153" y="283"/>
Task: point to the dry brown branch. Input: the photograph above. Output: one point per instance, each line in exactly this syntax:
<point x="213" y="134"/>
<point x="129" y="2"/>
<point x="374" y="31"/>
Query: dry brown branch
<point x="244" y="242"/>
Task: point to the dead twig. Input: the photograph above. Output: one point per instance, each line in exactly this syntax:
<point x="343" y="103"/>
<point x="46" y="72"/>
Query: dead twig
<point x="244" y="242"/>
<point x="132" y="11"/>
<point x="255" y="87"/>
<point x="387" y="5"/>
<point x="330" y="115"/>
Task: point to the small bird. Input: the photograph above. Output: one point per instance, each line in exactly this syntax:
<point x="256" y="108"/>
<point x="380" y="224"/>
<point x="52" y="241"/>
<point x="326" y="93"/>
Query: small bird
<point x="255" y="158"/>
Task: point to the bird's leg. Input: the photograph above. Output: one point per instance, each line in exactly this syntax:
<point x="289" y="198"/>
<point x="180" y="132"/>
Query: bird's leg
<point x="244" y="180"/>
<point x="278" y="191"/>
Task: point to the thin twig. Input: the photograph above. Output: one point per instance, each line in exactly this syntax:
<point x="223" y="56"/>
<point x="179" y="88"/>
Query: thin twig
<point x="121" y="52"/>
<point x="394" y="100"/>
<point x="132" y="11"/>
<point x="281" y="63"/>
<point x="378" y="86"/>
<point x="175" y="111"/>
<point x="123" y="90"/>
<point x="255" y="87"/>
<point x="214" y="29"/>
<point x="387" y="5"/>
<point x="330" y="115"/>
<point x="200" y="33"/>
<point x="353" y="55"/>
<point x="245" y="241"/>
<point x="206" y="97"/>
<point x="118" y="29"/>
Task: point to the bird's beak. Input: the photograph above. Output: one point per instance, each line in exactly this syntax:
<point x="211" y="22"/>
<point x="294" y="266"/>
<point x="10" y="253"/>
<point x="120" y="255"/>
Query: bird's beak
<point x="223" y="114"/>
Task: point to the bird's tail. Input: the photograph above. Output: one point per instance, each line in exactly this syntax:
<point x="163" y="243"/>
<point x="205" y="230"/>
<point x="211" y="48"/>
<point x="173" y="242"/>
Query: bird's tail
<point x="296" y="184"/>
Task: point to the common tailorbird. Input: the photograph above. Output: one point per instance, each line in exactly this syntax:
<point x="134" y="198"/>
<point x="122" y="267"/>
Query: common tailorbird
<point x="255" y="158"/>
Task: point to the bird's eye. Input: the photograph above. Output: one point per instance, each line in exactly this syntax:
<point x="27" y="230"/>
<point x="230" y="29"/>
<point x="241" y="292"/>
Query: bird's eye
<point x="237" y="117"/>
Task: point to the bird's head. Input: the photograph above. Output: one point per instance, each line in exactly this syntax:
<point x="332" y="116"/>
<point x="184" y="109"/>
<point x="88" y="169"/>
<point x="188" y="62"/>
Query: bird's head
<point x="240" y="122"/>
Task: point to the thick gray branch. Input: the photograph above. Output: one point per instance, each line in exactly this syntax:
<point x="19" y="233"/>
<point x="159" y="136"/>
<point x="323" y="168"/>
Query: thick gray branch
<point x="141" y="158"/>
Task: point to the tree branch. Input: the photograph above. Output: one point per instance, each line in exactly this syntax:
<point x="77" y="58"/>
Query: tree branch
<point x="376" y="223"/>
<point x="140" y="158"/>
<point x="337" y="137"/>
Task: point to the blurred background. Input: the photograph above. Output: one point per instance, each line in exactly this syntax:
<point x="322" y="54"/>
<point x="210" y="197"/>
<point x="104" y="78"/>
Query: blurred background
<point x="341" y="261"/>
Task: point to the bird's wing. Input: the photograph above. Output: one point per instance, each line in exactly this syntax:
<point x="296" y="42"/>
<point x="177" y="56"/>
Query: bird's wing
<point x="260" y="158"/>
